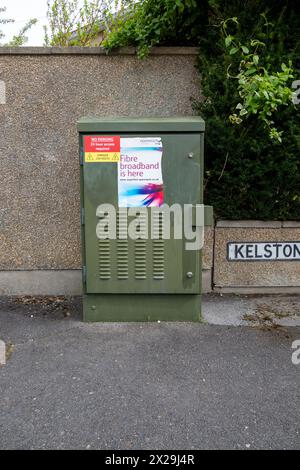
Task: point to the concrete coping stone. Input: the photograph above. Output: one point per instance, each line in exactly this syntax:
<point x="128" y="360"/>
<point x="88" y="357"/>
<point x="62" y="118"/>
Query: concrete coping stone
<point x="291" y="224"/>
<point x="256" y="224"/>
<point x="74" y="50"/>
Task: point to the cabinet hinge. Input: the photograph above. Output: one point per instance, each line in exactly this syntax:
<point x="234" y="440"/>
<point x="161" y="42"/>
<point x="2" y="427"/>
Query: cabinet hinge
<point x="81" y="154"/>
<point x="82" y="216"/>
<point x="84" y="274"/>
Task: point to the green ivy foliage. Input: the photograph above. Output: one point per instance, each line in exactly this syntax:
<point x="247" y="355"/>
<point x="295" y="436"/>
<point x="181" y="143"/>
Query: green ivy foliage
<point x="249" y="173"/>
<point x="247" y="176"/>
<point x="150" y="23"/>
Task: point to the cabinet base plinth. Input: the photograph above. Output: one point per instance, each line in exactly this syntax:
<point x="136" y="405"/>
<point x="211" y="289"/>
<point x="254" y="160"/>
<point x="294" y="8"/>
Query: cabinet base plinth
<point x="141" y="307"/>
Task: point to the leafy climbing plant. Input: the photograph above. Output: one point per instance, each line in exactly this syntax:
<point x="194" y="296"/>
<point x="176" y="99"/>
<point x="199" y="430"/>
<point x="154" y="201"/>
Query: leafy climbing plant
<point x="148" y="23"/>
<point x="262" y="90"/>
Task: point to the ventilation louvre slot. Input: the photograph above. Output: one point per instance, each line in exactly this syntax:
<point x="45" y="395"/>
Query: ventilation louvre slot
<point x="158" y="247"/>
<point x="140" y="255"/>
<point x="140" y="259"/>
<point x="122" y="246"/>
<point x="104" y="259"/>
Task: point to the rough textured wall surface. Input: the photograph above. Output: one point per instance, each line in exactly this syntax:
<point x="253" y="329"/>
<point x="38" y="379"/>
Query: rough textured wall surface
<point x="46" y="92"/>
<point x="258" y="273"/>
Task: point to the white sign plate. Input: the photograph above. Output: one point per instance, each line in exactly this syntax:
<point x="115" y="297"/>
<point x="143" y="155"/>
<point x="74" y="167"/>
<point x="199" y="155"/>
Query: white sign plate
<point x="263" y="251"/>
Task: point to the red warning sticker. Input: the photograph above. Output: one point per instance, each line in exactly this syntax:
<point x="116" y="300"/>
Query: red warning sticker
<point x="102" y="148"/>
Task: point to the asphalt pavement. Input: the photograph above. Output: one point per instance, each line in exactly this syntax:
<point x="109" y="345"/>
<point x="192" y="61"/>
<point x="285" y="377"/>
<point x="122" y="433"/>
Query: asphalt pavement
<point x="228" y="383"/>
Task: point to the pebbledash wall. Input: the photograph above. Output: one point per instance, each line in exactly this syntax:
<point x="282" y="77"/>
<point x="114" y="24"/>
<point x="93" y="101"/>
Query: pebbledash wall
<point x="255" y="257"/>
<point x="43" y="91"/>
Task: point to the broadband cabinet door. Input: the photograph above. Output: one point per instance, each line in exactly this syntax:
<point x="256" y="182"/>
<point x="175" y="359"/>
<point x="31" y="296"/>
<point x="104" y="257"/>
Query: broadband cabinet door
<point x="140" y="171"/>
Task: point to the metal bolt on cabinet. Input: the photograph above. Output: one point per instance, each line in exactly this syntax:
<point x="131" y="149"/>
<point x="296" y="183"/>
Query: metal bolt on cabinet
<point x="135" y="166"/>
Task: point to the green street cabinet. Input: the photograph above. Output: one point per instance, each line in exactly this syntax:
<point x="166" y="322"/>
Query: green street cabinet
<point x="130" y="168"/>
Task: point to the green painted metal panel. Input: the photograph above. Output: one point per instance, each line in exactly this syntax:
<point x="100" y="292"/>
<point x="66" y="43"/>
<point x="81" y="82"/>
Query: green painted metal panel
<point x="120" y="308"/>
<point x="135" y="280"/>
<point x="208" y="215"/>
